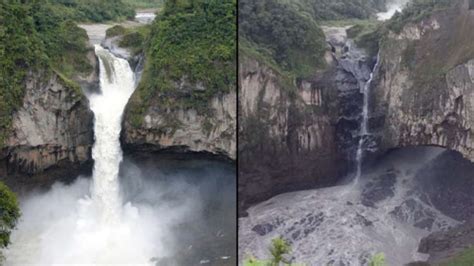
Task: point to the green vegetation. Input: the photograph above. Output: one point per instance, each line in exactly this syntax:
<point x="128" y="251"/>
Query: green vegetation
<point x="416" y="11"/>
<point x="36" y="37"/>
<point x="378" y="260"/>
<point x="367" y="34"/>
<point x="191" y="45"/>
<point x="429" y="59"/>
<point x="285" y="34"/>
<point x="145" y="3"/>
<point x="465" y="258"/>
<point x="135" y="39"/>
<point x="278" y="249"/>
<point x="9" y="214"/>
<point x="295" y="43"/>
<point x="322" y="10"/>
<point x="93" y="10"/>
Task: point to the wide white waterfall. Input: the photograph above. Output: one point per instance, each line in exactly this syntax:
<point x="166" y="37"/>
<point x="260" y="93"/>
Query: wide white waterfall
<point x="117" y="85"/>
<point x="87" y="223"/>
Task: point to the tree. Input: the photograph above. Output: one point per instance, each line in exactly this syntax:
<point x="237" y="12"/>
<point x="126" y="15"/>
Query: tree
<point x="378" y="260"/>
<point x="9" y="214"/>
<point x="279" y="248"/>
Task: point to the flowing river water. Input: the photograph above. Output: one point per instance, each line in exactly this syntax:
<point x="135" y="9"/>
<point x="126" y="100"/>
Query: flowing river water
<point x="135" y="212"/>
<point x="100" y="229"/>
<point x="389" y="210"/>
<point x="388" y="207"/>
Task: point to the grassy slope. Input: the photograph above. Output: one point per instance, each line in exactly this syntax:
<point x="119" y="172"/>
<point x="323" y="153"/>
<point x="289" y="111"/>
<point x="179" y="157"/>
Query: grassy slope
<point x="194" y="40"/>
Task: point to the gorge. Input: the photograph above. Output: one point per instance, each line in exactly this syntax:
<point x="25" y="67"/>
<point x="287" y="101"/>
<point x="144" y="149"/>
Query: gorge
<point x="407" y="201"/>
<point x="92" y="193"/>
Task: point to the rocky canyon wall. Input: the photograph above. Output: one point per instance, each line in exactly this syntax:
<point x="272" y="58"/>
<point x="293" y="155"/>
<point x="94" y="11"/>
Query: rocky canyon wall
<point x="424" y="91"/>
<point x="52" y="131"/>
<point x="287" y="133"/>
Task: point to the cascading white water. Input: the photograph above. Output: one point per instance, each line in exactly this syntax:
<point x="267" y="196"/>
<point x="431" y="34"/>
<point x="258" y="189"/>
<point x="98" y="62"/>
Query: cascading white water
<point x="392" y="7"/>
<point x="117" y="85"/>
<point x="64" y="226"/>
<point x="328" y="226"/>
<point x="365" y="122"/>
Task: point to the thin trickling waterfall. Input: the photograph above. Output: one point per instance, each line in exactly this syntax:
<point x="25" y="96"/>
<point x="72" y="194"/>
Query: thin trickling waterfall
<point x="364" y="132"/>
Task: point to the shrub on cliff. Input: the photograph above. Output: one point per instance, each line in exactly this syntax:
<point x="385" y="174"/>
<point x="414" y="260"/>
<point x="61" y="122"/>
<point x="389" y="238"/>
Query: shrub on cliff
<point x="94" y="10"/>
<point x="293" y="41"/>
<point x="9" y="214"/>
<point x="145" y="3"/>
<point x="279" y="248"/>
<point x="193" y="43"/>
<point x="35" y="38"/>
<point x="415" y="11"/>
<point x="338" y="9"/>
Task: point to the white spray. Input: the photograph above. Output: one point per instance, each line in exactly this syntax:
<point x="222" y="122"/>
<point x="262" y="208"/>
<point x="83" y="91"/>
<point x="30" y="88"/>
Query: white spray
<point x="392" y="7"/>
<point x="117" y="85"/>
<point x="64" y="226"/>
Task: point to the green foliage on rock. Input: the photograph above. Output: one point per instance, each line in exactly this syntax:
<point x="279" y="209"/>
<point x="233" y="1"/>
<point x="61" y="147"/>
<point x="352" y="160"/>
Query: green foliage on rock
<point x="191" y="57"/>
<point x="36" y="38"/>
<point x="322" y="10"/>
<point x="135" y="38"/>
<point x="115" y="31"/>
<point x="94" y="10"/>
<point x="367" y="34"/>
<point x="416" y="11"/>
<point x="145" y="3"/>
<point x="294" y="42"/>
<point x="9" y="214"/>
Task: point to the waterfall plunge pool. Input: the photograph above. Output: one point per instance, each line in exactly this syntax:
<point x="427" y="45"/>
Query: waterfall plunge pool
<point x="406" y="195"/>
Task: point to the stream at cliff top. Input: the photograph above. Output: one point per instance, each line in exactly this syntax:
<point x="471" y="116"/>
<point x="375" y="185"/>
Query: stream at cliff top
<point x="407" y="194"/>
<point x="135" y="212"/>
<point x="392" y="7"/>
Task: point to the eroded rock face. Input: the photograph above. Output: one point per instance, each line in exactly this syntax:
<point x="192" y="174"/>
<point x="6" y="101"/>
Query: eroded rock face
<point x="53" y="127"/>
<point x="186" y="130"/>
<point x="287" y="136"/>
<point x="424" y="92"/>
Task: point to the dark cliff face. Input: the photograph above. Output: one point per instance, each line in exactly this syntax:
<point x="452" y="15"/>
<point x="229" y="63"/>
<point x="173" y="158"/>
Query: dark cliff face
<point x="287" y="135"/>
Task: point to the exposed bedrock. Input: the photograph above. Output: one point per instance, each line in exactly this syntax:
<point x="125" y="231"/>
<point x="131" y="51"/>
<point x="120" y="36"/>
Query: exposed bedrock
<point x="288" y="132"/>
<point x="302" y="135"/>
<point x="52" y="131"/>
<point x="424" y="91"/>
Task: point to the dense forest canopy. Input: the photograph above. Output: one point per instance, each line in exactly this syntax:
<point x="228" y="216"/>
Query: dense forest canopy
<point x="191" y="42"/>
<point x="43" y="35"/>
<point x="416" y="10"/>
<point x="36" y="36"/>
<point x="9" y="215"/>
<point x="286" y="33"/>
<point x="93" y="10"/>
<point x="295" y="42"/>
<point x="338" y="9"/>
